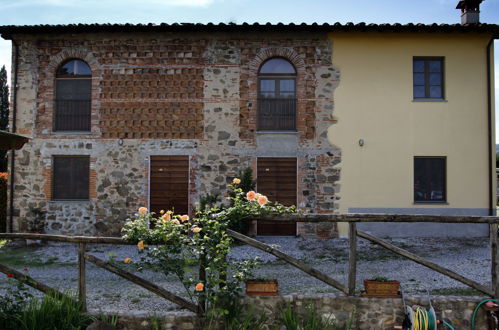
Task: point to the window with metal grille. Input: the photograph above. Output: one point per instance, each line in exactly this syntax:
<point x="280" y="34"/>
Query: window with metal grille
<point x="428" y="77"/>
<point x="429" y="179"/>
<point x="73" y="86"/>
<point x="70" y="179"/>
<point x="277" y="95"/>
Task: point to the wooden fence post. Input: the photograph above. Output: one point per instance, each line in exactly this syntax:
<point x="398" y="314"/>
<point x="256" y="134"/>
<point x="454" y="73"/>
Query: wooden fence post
<point x="202" y="279"/>
<point x="494" y="259"/>
<point x="352" y="258"/>
<point x="82" y="291"/>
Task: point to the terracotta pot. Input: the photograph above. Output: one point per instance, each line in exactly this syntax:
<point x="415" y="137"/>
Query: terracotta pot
<point x="382" y="289"/>
<point x="262" y="288"/>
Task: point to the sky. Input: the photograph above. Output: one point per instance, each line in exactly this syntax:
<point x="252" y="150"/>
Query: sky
<point x="29" y="12"/>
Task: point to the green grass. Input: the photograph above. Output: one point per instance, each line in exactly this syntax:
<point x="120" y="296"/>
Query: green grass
<point x="25" y="258"/>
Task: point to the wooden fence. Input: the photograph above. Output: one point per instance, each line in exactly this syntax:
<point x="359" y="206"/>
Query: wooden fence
<point x="347" y="288"/>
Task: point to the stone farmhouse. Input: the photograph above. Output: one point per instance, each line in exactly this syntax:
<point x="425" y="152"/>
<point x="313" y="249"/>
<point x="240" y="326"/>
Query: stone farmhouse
<point x="333" y="118"/>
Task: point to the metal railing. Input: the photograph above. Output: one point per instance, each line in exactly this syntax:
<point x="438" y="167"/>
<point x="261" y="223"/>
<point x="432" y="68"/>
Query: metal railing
<point x="277" y="114"/>
<point x="72" y="115"/>
<point x="347" y="288"/>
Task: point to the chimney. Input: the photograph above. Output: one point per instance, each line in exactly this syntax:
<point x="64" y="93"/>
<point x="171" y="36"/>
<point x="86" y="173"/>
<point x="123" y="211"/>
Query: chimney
<point x="470" y="11"/>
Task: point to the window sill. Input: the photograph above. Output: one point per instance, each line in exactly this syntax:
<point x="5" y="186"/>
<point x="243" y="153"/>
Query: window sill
<point x="71" y="201"/>
<point x="429" y="100"/>
<point x="72" y="132"/>
<point x="276" y="132"/>
<point x="430" y="203"/>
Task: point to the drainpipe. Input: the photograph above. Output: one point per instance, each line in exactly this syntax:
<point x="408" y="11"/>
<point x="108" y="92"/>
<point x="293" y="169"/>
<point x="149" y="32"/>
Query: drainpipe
<point x="492" y="184"/>
<point x="14" y="129"/>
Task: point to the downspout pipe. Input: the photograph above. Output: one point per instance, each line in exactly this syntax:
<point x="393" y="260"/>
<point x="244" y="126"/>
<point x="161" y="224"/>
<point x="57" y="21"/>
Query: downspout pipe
<point x="492" y="180"/>
<point x="14" y="129"/>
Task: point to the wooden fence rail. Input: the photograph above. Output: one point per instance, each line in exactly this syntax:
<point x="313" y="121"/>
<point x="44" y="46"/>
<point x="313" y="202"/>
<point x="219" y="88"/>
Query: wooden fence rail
<point x="349" y="288"/>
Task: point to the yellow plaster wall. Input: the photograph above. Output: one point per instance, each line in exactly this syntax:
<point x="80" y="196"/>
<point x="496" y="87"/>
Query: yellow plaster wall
<point x="374" y="102"/>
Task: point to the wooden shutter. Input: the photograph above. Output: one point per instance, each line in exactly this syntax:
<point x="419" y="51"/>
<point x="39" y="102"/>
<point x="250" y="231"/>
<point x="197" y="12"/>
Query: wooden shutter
<point x="169" y="184"/>
<point x="70" y="177"/>
<point x="276" y="178"/>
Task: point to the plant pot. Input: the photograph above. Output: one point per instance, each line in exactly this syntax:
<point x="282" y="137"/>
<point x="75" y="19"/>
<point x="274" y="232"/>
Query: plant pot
<point x="262" y="288"/>
<point x="388" y="289"/>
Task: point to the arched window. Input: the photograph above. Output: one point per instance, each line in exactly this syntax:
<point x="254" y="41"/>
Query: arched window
<point x="73" y="85"/>
<point x="277" y="95"/>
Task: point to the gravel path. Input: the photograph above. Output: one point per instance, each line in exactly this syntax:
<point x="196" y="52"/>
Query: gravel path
<point x="55" y="265"/>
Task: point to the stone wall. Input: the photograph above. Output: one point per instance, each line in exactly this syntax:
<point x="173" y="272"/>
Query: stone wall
<point x="371" y="313"/>
<point x="170" y="94"/>
<point x="368" y="313"/>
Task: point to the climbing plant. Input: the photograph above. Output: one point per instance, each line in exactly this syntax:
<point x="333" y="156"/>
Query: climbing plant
<point x="176" y="245"/>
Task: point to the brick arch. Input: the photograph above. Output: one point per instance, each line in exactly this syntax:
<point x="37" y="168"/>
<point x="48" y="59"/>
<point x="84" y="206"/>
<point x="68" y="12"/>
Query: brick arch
<point x="46" y="92"/>
<point x="71" y="53"/>
<point x="249" y="91"/>
<point x="286" y="53"/>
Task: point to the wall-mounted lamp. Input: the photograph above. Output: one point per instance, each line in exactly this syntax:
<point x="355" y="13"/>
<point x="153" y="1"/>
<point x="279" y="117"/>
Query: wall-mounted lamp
<point x="361" y="142"/>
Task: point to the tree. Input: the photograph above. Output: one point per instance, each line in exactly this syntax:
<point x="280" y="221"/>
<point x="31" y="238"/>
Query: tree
<point x="4" y="113"/>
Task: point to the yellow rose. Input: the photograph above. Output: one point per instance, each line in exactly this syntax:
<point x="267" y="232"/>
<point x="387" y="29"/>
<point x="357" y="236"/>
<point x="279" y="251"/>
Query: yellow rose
<point x="250" y="195"/>
<point x="142" y="210"/>
<point x="196" y="229"/>
<point x="166" y="217"/>
<point x="262" y="200"/>
<point x="128" y="260"/>
<point x="184" y="218"/>
<point x="236" y="181"/>
<point x="140" y="245"/>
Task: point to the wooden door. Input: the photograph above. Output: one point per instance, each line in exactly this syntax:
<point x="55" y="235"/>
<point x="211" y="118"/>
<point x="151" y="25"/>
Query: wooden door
<point x="169" y="184"/>
<point x="276" y="178"/>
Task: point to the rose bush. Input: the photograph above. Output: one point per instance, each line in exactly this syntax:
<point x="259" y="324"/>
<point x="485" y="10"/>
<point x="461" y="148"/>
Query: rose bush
<point x="179" y="245"/>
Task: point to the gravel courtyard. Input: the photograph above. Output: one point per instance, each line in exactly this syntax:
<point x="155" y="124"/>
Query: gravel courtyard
<point x="55" y="264"/>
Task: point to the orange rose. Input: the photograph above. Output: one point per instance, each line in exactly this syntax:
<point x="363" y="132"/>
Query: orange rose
<point x="196" y="229"/>
<point x="199" y="287"/>
<point x="166" y="217"/>
<point x="236" y="181"/>
<point x="250" y="195"/>
<point x="140" y="245"/>
<point x="143" y="210"/>
<point x="262" y="200"/>
<point x="127" y="260"/>
<point x="184" y="218"/>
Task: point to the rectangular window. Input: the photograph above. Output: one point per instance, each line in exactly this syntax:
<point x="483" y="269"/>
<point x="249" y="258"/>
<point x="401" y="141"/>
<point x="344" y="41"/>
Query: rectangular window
<point x="70" y="177"/>
<point x="429" y="179"/>
<point x="428" y="77"/>
<point x="276" y="178"/>
<point x="169" y="184"/>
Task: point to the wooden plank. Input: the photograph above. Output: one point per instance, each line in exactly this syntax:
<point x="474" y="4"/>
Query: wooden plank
<point x="295" y="262"/>
<point x="28" y="280"/>
<point x="63" y="238"/>
<point x="371" y="217"/>
<point x="426" y="263"/>
<point x="82" y="291"/>
<point x="143" y="283"/>
<point x="352" y="258"/>
<point x="494" y="259"/>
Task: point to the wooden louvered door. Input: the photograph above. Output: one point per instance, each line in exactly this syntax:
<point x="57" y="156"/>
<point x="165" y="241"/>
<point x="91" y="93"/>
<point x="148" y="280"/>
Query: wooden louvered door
<point x="169" y="184"/>
<point x="276" y="178"/>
